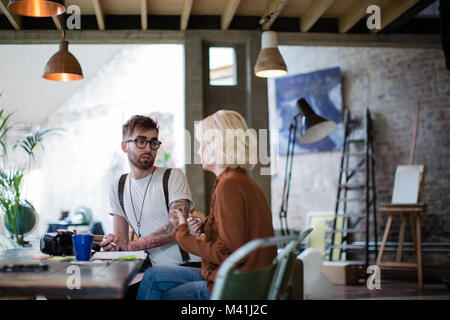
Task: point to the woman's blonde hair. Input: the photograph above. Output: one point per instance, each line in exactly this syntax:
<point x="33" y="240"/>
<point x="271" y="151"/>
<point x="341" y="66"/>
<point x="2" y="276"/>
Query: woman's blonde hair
<point x="228" y="139"/>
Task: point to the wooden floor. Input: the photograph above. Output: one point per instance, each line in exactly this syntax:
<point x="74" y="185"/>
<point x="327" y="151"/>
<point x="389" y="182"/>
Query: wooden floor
<point x="392" y="289"/>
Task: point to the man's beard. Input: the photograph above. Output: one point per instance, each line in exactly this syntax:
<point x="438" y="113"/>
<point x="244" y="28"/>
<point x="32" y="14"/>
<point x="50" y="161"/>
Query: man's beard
<point x="139" y="163"/>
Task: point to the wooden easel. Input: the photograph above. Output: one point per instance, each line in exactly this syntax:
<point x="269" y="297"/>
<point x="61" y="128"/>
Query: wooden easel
<point x="416" y="126"/>
<point x="413" y="211"/>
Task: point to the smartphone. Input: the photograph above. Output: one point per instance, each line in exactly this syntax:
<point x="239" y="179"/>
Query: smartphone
<point x="24" y="267"/>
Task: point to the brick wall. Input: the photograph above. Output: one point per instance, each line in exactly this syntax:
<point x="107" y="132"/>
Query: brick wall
<point x="390" y="81"/>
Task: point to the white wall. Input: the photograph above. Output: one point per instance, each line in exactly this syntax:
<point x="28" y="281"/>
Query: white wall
<point x="78" y="165"/>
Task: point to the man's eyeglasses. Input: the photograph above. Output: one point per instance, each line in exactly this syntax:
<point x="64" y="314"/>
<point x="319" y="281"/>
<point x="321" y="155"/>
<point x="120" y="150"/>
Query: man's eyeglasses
<point x="141" y="143"/>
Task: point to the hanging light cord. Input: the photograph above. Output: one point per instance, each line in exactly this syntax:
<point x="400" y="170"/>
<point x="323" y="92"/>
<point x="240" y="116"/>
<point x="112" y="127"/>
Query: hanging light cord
<point x="63" y="24"/>
<point x="264" y="20"/>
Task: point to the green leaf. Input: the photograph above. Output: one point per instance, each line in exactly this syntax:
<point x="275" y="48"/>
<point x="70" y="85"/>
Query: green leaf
<point x="3" y="147"/>
<point x="4" y="129"/>
<point x="32" y="140"/>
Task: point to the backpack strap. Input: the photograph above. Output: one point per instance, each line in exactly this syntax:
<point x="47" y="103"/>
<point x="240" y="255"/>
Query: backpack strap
<point x="184" y="254"/>
<point x="121" y="190"/>
<point x="166" y="186"/>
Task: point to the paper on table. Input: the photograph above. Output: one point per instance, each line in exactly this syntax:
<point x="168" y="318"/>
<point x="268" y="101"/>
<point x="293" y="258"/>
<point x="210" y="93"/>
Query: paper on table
<point x="60" y="258"/>
<point x="109" y="255"/>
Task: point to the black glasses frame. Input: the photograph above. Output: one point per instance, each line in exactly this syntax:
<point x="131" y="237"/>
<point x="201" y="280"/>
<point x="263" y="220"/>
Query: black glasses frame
<point x="151" y="142"/>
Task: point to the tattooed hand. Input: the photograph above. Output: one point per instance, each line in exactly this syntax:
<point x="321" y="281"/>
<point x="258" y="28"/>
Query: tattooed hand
<point x="178" y="212"/>
<point x="112" y="242"/>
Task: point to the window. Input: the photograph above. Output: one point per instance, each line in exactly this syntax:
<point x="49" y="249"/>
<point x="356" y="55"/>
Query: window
<point x="222" y="66"/>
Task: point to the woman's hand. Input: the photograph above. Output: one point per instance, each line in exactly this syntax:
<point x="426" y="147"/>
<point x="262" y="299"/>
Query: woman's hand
<point x="195" y="224"/>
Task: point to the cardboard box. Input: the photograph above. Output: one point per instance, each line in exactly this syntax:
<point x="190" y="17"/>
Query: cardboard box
<point x="343" y="272"/>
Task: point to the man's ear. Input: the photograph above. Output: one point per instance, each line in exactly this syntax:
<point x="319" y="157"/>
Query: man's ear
<point x="124" y="147"/>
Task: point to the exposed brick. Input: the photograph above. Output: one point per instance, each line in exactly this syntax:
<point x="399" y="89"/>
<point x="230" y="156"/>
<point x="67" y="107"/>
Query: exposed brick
<point x="389" y="81"/>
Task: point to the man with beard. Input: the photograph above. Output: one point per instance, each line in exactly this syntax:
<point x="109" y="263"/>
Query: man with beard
<point x="144" y="205"/>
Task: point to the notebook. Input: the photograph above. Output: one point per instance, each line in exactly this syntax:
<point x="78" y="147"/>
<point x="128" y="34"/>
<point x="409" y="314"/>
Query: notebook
<point x="123" y="255"/>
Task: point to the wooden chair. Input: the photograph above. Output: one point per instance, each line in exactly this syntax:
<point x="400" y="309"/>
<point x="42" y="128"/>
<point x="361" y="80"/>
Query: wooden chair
<point x="405" y="197"/>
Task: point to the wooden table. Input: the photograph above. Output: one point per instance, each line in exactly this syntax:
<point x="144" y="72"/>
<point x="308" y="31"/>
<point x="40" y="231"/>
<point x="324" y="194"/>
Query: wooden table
<point x="106" y="280"/>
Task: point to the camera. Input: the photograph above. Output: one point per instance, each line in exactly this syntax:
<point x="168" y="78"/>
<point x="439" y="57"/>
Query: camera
<point x="57" y="243"/>
<point x="60" y="243"/>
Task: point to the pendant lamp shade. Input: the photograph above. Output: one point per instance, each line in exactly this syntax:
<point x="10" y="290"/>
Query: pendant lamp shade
<point x="270" y="63"/>
<point x="37" y="8"/>
<point x="63" y="66"/>
<point x="314" y="127"/>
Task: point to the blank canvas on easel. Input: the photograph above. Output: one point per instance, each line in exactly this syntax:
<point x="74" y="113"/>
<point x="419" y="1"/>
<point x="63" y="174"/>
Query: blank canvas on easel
<point x="407" y="184"/>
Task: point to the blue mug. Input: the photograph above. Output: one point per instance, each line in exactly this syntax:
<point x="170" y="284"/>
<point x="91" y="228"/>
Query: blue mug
<point x="82" y="244"/>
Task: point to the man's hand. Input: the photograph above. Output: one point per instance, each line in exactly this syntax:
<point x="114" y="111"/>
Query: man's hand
<point x="112" y="242"/>
<point x="176" y="219"/>
<point x="178" y="212"/>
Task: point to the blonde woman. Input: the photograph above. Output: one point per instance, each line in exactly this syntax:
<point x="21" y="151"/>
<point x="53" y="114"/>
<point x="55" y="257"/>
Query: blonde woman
<point x="239" y="213"/>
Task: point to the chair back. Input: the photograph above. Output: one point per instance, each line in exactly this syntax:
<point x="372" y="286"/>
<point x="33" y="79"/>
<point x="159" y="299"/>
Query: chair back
<point x="286" y="259"/>
<point x="249" y="284"/>
<point x="260" y="284"/>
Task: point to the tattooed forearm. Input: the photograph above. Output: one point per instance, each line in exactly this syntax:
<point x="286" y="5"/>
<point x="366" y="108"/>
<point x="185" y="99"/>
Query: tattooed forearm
<point x="164" y="234"/>
<point x="161" y="236"/>
<point x="148" y="242"/>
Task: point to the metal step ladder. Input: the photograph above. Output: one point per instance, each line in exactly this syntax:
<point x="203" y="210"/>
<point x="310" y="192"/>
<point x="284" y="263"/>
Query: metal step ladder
<point x="356" y="193"/>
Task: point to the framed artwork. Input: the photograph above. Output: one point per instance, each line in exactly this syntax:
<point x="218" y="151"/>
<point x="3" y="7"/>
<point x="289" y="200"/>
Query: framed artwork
<point x="320" y="238"/>
<point x="323" y="91"/>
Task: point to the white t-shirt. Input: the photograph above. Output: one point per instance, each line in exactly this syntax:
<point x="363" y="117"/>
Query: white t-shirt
<point x="154" y="213"/>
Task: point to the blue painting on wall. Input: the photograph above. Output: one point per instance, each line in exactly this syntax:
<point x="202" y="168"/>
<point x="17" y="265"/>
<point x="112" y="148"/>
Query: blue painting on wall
<point x="323" y="91"/>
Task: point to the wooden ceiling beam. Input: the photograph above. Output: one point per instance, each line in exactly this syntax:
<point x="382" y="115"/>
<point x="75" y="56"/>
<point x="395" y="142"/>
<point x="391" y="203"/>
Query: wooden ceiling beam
<point x="355" y="13"/>
<point x="99" y="13"/>
<point x="228" y="13"/>
<point x="230" y="36"/>
<point x="315" y="10"/>
<point x="394" y="9"/>
<point x="15" y="20"/>
<point x="409" y="15"/>
<point x="185" y="14"/>
<point x="144" y="13"/>
<point x="273" y="10"/>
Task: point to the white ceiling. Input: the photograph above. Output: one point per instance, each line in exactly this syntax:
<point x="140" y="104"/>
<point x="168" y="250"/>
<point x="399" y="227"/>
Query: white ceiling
<point x="25" y="90"/>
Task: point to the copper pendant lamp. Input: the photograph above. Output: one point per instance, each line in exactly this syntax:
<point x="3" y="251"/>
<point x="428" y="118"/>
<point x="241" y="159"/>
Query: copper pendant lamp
<point x="270" y="63"/>
<point x="37" y="8"/>
<point x="63" y="66"/>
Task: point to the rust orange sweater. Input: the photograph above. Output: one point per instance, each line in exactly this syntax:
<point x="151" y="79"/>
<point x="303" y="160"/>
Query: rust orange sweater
<point x="239" y="213"/>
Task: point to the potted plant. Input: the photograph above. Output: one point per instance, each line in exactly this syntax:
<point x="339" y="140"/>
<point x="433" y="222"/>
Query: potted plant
<point x="19" y="215"/>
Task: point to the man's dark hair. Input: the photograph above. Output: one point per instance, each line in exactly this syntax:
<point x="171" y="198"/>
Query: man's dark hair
<point x="138" y="122"/>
